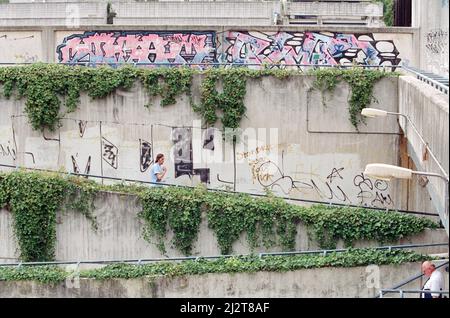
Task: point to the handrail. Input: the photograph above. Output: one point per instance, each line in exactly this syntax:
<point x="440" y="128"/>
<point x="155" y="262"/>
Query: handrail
<point x="263" y="65"/>
<point x="412" y="291"/>
<point x="412" y="278"/>
<point x="220" y="190"/>
<point x="420" y="75"/>
<point x="140" y="261"/>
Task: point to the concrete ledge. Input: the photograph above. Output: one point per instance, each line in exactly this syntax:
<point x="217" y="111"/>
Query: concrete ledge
<point x="119" y="236"/>
<point x="356" y="282"/>
<point x="428" y="110"/>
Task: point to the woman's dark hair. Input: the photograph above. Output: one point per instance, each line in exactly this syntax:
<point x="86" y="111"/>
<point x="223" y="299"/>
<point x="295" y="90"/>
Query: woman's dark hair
<point x="158" y="157"/>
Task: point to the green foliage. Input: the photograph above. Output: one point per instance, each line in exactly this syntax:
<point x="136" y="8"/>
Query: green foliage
<point x="270" y="221"/>
<point x="230" y="101"/>
<point x="242" y="264"/>
<point x="45" y="85"/>
<point x="167" y="82"/>
<point x="361" y="82"/>
<point x="252" y="264"/>
<point x="34" y="199"/>
<point x="42" y="274"/>
<point x="388" y="11"/>
<point x="179" y="208"/>
<point x="350" y="224"/>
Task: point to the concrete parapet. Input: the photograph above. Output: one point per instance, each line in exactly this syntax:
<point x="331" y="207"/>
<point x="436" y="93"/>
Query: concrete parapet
<point x="355" y="282"/>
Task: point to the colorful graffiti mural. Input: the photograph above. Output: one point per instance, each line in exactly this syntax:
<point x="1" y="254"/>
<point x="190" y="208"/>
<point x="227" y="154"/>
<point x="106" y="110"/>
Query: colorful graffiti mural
<point x="138" y="47"/>
<point x="307" y="48"/>
<point x="239" y="47"/>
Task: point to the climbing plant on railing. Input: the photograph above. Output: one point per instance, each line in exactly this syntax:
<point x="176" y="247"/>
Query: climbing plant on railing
<point x="235" y="264"/>
<point x="361" y="83"/>
<point x="34" y="198"/>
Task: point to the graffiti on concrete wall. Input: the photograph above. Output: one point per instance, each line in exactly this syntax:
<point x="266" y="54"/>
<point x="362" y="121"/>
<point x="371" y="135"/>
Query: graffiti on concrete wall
<point x="308" y="48"/>
<point x="369" y="193"/>
<point x="138" y="47"/>
<point x="437" y="41"/>
<point x="110" y="153"/>
<point x="76" y="169"/>
<point x="8" y="150"/>
<point x="146" y="158"/>
<point x="372" y="193"/>
<point x="241" y="47"/>
<point x="183" y="158"/>
<point x="85" y="148"/>
<point x="436" y="51"/>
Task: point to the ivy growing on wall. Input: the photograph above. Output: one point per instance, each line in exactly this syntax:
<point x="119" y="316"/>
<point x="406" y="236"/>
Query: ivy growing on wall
<point x="361" y="83"/>
<point x="34" y="199"/>
<point x="242" y="264"/>
<point x="48" y="87"/>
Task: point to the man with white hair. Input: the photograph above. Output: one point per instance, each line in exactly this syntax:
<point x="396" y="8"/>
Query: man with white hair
<point x="435" y="281"/>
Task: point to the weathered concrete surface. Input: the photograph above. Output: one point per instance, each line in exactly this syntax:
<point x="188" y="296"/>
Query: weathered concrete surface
<point x="45" y="14"/>
<point x="207" y="13"/>
<point x="119" y="236"/>
<point x="428" y="110"/>
<point x="302" y="149"/>
<point x="356" y="282"/>
<point x="432" y="17"/>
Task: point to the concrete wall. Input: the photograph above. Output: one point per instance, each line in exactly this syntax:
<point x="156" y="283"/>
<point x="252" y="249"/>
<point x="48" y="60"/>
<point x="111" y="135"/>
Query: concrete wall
<point x="46" y="14"/>
<point x="205" y="44"/>
<point x="202" y="12"/>
<point x="242" y="13"/>
<point x="302" y="149"/>
<point x="354" y="282"/>
<point x="325" y="12"/>
<point x="432" y="16"/>
<point x="119" y="236"/>
<point x="428" y="110"/>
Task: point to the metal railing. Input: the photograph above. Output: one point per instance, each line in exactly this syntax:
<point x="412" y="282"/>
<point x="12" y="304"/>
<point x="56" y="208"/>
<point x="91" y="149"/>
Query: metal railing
<point x="165" y="184"/>
<point x="407" y="291"/>
<point x="436" y="81"/>
<point x="196" y="258"/>
<point x="409" y="280"/>
<point x="210" y="64"/>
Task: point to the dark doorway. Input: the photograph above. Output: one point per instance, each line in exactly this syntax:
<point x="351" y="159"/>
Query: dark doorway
<point x="402" y="13"/>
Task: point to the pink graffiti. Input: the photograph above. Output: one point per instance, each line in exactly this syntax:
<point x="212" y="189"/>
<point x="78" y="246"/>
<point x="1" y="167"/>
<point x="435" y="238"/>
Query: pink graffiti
<point x="138" y="47"/>
<point x="306" y="48"/>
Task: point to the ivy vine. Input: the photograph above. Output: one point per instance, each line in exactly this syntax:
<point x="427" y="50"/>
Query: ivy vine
<point x="34" y="199"/>
<point x="179" y="209"/>
<point x="236" y="264"/>
<point x="48" y="87"/>
<point x="361" y="83"/>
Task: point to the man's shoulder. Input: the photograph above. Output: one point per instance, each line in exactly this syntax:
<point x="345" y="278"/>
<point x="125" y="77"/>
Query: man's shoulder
<point x="437" y="275"/>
